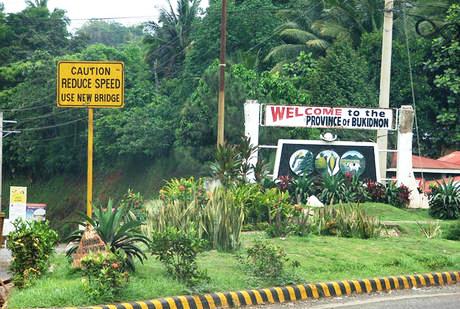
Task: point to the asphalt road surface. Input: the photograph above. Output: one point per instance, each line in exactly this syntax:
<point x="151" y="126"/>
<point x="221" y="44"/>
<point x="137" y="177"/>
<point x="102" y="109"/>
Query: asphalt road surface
<point x="447" y="297"/>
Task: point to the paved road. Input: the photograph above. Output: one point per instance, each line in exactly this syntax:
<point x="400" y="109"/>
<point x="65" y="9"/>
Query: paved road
<point x="447" y="297"/>
<point x="5" y="258"/>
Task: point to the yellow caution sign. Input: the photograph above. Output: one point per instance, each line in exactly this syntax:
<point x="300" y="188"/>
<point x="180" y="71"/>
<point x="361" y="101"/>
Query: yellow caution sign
<point x="93" y="84"/>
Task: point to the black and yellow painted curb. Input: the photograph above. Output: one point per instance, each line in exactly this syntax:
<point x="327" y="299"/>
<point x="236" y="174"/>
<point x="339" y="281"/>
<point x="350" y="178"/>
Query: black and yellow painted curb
<point x="291" y="293"/>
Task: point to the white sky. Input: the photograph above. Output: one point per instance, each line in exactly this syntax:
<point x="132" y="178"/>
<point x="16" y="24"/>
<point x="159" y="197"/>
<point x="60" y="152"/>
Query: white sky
<point x="137" y="10"/>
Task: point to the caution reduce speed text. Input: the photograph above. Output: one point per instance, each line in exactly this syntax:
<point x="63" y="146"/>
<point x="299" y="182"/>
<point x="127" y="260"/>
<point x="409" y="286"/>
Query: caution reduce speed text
<point x="90" y="84"/>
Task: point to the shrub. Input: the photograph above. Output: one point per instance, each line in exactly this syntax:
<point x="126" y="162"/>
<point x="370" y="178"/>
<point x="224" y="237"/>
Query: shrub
<point x="231" y="164"/>
<point x="31" y="244"/>
<point x="355" y="190"/>
<point x="346" y="221"/>
<point x="333" y="189"/>
<point x="223" y="219"/>
<point x="219" y="221"/>
<point x="249" y="195"/>
<point x="453" y="233"/>
<point x="178" y="251"/>
<point x="280" y="211"/>
<point x="104" y="274"/>
<point x="267" y="262"/>
<point x="376" y="191"/>
<point x="134" y="204"/>
<point x="183" y="216"/>
<point x="117" y="230"/>
<point x="301" y="189"/>
<point x="184" y="190"/>
<point x="445" y="200"/>
<point x="397" y="196"/>
<point x="284" y="183"/>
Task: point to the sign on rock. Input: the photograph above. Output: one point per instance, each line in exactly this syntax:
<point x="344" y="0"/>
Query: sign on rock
<point x="90" y="84"/>
<point x="90" y="242"/>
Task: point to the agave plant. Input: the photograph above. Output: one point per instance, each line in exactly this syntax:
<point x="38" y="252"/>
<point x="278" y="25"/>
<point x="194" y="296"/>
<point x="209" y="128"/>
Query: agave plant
<point x="333" y="189"/>
<point x="445" y="200"/>
<point x="121" y="235"/>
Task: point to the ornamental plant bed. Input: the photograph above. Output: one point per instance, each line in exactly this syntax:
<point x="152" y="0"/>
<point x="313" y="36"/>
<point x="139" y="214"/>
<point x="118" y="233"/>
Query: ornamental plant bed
<point x="321" y="258"/>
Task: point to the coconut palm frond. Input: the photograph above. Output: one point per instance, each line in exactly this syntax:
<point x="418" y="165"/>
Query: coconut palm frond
<point x="297" y="35"/>
<point x="285" y="51"/>
<point x="318" y="44"/>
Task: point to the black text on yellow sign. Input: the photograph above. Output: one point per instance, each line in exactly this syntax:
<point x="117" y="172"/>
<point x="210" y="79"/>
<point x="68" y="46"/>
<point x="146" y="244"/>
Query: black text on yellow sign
<point x="96" y="84"/>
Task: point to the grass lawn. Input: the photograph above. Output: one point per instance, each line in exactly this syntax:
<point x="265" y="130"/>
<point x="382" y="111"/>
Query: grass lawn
<point x="387" y="212"/>
<point x="408" y="229"/>
<point x="321" y="258"/>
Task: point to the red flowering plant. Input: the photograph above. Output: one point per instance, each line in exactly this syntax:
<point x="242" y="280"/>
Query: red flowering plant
<point x="376" y="191"/>
<point x="397" y="196"/>
<point x="284" y="183"/>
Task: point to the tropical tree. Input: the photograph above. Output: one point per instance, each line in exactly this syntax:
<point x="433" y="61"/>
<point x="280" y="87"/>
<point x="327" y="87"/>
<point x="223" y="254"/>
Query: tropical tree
<point x="297" y="34"/>
<point x="170" y="37"/>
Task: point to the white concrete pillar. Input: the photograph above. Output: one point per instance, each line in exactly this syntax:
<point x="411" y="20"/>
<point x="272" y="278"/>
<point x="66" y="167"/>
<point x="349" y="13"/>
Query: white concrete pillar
<point x="251" y="130"/>
<point x="404" y="172"/>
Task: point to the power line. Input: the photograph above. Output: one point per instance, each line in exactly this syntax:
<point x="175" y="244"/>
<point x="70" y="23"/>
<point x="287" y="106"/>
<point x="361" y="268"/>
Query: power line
<point x="59" y="112"/>
<point x="411" y="78"/>
<point x="25" y="108"/>
<point x="52" y="126"/>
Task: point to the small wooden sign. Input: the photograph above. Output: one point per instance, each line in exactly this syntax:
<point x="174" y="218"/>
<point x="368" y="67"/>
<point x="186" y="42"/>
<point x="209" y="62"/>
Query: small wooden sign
<point x="90" y="242"/>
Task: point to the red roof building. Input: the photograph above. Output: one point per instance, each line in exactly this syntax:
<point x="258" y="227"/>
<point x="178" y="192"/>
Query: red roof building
<point x="433" y="170"/>
<point x="429" y="165"/>
<point x="453" y="157"/>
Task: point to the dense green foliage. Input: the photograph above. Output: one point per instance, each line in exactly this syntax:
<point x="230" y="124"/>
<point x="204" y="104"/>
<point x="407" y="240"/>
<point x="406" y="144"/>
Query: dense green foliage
<point x="32" y="244"/>
<point x="291" y="52"/>
<point x="445" y="200"/>
<point x="453" y="233"/>
<point x="346" y="221"/>
<point x="178" y="251"/>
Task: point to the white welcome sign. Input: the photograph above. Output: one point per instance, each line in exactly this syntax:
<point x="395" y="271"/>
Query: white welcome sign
<point x="328" y="117"/>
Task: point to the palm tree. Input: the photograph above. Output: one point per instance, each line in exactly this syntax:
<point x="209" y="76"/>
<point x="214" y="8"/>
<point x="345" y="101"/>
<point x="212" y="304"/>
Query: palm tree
<point x="37" y="3"/>
<point x="297" y="33"/>
<point x="170" y="37"/>
<point x="349" y="19"/>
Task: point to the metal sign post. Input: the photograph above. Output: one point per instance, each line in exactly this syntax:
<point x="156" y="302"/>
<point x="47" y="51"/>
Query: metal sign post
<point x="90" y="84"/>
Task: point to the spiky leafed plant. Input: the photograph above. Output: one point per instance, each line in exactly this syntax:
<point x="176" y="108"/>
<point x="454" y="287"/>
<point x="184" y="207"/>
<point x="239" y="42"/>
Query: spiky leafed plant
<point x="227" y="164"/>
<point x="333" y="189"/>
<point x="445" y="200"/>
<point x="117" y="230"/>
<point x="223" y="219"/>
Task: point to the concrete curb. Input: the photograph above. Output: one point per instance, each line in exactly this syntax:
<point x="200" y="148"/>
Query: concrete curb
<point x="290" y="293"/>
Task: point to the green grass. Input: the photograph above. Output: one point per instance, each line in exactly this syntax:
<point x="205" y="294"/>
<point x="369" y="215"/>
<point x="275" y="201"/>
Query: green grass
<point x="321" y="259"/>
<point x="387" y="212"/>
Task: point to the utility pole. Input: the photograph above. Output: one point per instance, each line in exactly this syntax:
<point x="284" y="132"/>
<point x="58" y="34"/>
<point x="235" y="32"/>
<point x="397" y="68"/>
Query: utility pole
<point x="221" y="102"/>
<point x="8" y="132"/>
<point x="385" y="73"/>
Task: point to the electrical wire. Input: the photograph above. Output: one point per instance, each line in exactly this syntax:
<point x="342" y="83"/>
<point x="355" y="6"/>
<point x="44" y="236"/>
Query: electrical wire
<point x="52" y="126"/>
<point x="411" y="78"/>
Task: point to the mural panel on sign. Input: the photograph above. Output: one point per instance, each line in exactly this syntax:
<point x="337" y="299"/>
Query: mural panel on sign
<point x="309" y="158"/>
